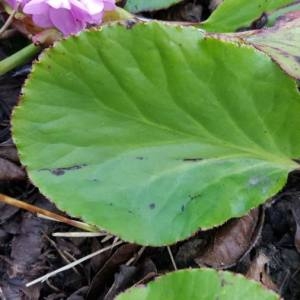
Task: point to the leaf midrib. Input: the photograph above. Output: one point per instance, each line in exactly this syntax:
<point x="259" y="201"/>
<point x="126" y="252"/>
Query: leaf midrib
<point x="262" y="154"/>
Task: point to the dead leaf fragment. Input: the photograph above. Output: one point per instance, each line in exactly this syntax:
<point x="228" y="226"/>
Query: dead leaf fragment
<point x="121" y="282"/>
<point x="9" y="152"/>
<point x="10" y="171"/>
<point x="257" y="272"/>
<point x="122" y="254"/>
<point x="189" y="251"/>
<point x="231" y="242"/>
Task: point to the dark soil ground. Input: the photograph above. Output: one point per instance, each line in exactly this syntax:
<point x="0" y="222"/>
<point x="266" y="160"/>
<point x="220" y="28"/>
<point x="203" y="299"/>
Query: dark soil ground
<point x="264" y="246"/>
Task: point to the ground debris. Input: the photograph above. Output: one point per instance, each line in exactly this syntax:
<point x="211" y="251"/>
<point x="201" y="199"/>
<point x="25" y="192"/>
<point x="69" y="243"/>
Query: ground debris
<point x="229" y="243"/>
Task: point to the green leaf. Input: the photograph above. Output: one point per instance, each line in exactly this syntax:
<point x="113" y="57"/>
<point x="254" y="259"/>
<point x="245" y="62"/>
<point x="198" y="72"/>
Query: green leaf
<point x="154" y="132"/>
<point x="281" y="42"/>
<point x="232" y="15"/>
<point x="200" y="284"/>
<point x="135" y="6"/>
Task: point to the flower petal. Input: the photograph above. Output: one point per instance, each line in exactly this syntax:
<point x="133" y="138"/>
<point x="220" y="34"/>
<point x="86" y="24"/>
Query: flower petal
<point x="64" y="21"/>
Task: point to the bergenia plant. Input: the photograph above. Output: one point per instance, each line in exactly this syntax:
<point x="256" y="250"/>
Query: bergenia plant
<point x="154" y="131"/>
<point x="68" y="16"/>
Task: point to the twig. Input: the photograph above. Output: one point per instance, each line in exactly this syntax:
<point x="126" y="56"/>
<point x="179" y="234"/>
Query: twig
<point x="54" y="288"/>
<point x="62" y="254"/>
<point x="9" y="20"/>
<point x="79" y="234"/>
<point x="283" y="283"/>
<point x="71" y="265"/>
<point x="37" y="210"/>
<point x="134" y="259"/>
<point x="172" y="258"/>
<point x="107" y="238"/>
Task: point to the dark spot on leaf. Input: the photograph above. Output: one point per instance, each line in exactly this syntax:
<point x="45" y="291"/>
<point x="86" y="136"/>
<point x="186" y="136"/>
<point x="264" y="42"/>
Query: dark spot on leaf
<point x="57" y="172"/>
<point x="192" y="197"/>
<point x="194" y="159"/>
<point x="152" y="205"/>
<point x="110" y="204"/>
<point x="140" y="157"/>
<point x="223" y="282"/>
<point x="62" y="171"/>
<point x="182" y="208"/>
<point x="130" y="23"/>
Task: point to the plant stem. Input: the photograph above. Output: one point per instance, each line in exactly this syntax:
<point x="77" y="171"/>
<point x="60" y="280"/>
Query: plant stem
<point x="8" y="21"/>
<point x="19" y="58"/>
<point x="73" y="264"/>
<point x="37" y="210"/>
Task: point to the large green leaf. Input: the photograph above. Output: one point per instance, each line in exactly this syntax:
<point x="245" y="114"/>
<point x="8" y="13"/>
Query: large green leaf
<point x="203" y="284"/>
<point x="232" y="15"/>
<point x="154" y="132"/>
<point x="135" y="6"/>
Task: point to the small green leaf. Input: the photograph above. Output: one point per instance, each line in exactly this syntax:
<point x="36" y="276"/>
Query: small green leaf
<point x="135" y="6"/>
<point x="232" y="15"/>
<point x="200" y="284"/>
<point x="156" y="131"/>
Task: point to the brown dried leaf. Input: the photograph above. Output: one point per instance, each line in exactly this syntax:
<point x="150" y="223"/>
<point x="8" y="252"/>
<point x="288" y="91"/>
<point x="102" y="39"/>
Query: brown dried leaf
<point x="10" y="171"/>
<point x="188" y="251"/>
<point x="232" y="241"/>
<point x="9" y="152"/>
<point x="257" y="271"/>
<point x="122" y="280"/>
<point x="122" y="254"/>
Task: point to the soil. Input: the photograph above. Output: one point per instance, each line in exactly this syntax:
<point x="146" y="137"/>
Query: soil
<point x="28" y="249"/>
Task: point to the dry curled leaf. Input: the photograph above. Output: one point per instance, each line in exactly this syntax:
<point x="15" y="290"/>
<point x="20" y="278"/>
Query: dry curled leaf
<point x="257" y="271"/>
<point x="231" y="242"/>
<point x="10" y="171"/>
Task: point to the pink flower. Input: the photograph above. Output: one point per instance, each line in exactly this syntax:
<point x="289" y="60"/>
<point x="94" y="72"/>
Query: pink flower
<point x="68" y="16"/>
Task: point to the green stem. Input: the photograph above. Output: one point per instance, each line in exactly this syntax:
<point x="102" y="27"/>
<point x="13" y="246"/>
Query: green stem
<point x="19" y="58"/>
